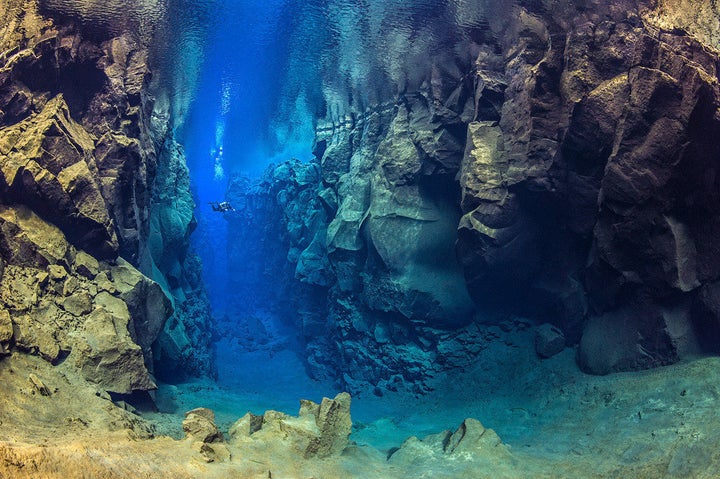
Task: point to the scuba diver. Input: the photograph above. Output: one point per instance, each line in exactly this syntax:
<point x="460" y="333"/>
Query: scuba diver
<point x="221" y="207"/>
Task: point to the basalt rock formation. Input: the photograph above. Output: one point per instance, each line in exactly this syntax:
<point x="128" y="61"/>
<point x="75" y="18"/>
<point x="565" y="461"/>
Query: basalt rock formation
<point x="566" y="175"/>
<point x="183" y="347"/>
<point x="347" y="317"/>
<point x="592" y="197"/>
<point x="92" y="263"/>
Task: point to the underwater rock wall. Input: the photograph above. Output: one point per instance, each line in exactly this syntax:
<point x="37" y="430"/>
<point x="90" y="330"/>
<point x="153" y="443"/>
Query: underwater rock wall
<point x="368" y="273"/>
<point x="80" y="149"/>
<point x="183" y="349"/>
<point x="593" y="199"/>
<point x="567" y="176"/>
<point x="277" y="233"/>
<point x="399" y="306"/>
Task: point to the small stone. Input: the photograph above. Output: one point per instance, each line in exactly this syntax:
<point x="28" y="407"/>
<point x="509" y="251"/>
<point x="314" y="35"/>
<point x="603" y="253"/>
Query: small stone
<point x="38" y="385"/>
<point x="86" y="265"/>
<point x="42" y="278"/>
<point x="6" y="332"/>
<point x="71" y="284"/>
<point x="212" y="453"/>
<point x="6" y="327"/>
<point x="381" y="333"/>
<point x="246" y="425"/>
<point x="57" y="272"/>
<point x="199" y="424"/>
<point x="202" y="411"/>
<point x="126" y="406"/>
<point x="78" y="304"/>
<point x="549" y="340"/>
<point x="104" y="284"/>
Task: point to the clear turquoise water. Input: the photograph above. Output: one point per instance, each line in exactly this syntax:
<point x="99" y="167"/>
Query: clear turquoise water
<point x="251" y="79"/>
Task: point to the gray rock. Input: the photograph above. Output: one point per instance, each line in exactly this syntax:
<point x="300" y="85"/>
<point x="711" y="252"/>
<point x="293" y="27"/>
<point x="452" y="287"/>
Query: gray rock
<point x="549" y="340"/>
<point x="470" y="441"/>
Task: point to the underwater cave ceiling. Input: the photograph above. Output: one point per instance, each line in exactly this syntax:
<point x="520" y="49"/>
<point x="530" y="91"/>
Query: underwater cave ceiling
<point x="551" y="165"/>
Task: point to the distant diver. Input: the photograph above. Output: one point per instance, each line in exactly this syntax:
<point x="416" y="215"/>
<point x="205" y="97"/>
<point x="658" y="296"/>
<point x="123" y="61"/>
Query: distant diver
<point x="222" y="207"/>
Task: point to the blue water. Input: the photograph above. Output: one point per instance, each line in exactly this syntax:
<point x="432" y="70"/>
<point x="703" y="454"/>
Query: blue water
<point x="245" y="85"/>
<point x="251" y="79"/>
<point x="248" y="83"/>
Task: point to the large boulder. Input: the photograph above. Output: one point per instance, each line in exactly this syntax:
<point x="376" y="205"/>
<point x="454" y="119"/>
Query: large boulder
<point x="147" y="303"/>
<point x="106" y="354"/>
<point x="26" y="240"/>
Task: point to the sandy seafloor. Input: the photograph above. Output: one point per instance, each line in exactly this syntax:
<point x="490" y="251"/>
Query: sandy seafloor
<point x="555" y="419"/>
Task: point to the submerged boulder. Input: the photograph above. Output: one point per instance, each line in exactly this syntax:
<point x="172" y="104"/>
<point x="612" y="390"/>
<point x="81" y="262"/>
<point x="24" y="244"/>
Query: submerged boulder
<point x="471" y="443"/>
<point x="319" y="430"/>
<point x="107" y="355"/>
<point x="549" y="340"/>
<point x="199" y="425"/>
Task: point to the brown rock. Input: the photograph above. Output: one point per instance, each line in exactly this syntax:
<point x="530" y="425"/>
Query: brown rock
<point x="46" y="165"/>
<point x="319" y="430"/>
<point x="86" y="265"/>
<point x="148" y="305"/>
<point x="78" y="304"/>
<point x="57" y="272"/>
<point x="37" y="335"/>
<point x="38" y="385"/>
<point x="6" y="331"/>
<point x="333" y="421"/>
<point x="106" y="354"/>
<point x="246" y="425"/>
<point x="199" y="425"/>
<point x="25" y="239"/>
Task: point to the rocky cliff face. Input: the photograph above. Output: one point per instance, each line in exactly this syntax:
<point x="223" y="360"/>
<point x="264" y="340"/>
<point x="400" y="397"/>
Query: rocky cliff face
<point x="183" y="349"/>
<point x="84" y="222"/>
<point x="594" y="193"/>
<point x="567" y="175"/>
